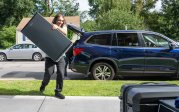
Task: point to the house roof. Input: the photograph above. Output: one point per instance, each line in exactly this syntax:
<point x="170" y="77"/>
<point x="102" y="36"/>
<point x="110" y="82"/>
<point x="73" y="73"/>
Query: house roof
<point x="69" y="19"/>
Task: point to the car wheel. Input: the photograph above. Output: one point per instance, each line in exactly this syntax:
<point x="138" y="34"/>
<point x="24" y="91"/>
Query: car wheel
<point x="3" y="57"/>
<point x="102" y="71"/>
<point x="37" y="57"/>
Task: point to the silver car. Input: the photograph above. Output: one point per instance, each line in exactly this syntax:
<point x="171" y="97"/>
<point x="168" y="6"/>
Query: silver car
<point x="22" y="51"/>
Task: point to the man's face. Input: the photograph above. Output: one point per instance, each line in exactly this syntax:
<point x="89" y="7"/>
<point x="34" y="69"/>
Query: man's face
<point x="60" y="21"/>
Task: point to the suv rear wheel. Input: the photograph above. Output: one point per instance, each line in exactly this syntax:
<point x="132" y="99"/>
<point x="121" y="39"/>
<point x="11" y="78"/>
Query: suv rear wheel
<point x="102" y="71"/>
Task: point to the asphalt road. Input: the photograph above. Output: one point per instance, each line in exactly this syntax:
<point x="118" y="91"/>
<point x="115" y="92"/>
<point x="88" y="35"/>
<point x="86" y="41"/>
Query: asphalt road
<point x="30" y="70"/>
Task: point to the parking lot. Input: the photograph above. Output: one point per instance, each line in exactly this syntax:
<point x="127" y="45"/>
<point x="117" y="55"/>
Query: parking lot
<point x="19" y="70"/>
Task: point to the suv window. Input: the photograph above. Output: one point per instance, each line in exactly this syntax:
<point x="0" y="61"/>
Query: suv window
<point x="152" y="40"/>
<point x="127" y="39"/>
<point x="102" y="39"/>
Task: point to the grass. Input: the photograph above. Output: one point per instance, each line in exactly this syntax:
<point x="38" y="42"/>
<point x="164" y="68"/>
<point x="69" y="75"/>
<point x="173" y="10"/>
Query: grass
<point x="71" y="87"/>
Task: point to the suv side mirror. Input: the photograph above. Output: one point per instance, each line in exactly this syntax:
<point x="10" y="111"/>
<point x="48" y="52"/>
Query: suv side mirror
<point x="171" y="46"/>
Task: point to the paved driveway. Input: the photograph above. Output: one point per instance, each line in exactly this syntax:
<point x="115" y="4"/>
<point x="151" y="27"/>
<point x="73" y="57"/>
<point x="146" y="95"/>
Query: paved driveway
<point x="30" y="70"/>
<point x="51" y="104"/>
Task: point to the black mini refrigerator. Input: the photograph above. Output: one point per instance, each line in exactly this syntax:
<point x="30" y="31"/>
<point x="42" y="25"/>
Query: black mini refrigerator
<point x="53" y="42"/>
<point x="167" y="106"/>
<point x="146" y="97"/>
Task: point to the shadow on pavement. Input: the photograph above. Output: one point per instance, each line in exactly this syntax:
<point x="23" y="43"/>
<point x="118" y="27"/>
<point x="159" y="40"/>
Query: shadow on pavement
<point x="73" y="76"/>
<point x="39" y="75"/>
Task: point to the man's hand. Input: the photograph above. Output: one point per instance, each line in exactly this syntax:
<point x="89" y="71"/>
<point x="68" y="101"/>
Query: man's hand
<point x="54" y="26"/>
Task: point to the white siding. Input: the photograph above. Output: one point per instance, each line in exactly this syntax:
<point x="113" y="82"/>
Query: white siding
<point x="19" y="38"/>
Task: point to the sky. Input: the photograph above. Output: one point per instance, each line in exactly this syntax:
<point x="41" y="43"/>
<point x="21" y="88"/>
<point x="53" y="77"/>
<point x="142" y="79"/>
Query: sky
<point x="84" y="5"/>
<point x="158" y="5"/>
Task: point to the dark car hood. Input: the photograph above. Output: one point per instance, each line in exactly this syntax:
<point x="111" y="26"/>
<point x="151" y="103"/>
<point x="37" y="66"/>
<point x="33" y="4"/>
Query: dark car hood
<point x="75" y="29"/>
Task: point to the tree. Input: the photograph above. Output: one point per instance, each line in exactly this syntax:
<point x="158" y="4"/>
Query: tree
<point x="138" y="6"/>
<point x="12" y="11"/>
<point x="153" y="21"/>
<point x="51" y="7"/>
<point x="99" y="7"/>
<point x="84" y="16"/>
<point x="7" y="36"/>
<point x="119" y="20"/>
<point x="89" y="25"/>
<point x="170" y="21"/>
<point x="142" y="7"/>
<point x="94" y="10"/>
<point x="44" y="7"/>
<point x="115" y="14"/>
<point x="68" y="7"/>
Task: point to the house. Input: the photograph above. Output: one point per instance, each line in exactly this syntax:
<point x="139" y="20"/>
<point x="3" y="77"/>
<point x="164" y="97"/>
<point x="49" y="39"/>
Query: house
<point x="20" y="38"/>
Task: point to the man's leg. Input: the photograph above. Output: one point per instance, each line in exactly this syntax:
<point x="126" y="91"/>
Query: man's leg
<point x="66" y="64"/>
<point x="49" y="70"/>
<point x="59" y="78"/>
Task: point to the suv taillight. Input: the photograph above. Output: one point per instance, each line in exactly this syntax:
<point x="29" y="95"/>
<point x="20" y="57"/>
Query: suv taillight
<point x="77" y="51"/>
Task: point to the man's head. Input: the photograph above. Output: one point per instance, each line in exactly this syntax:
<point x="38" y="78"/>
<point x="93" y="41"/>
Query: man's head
<point x="59" y="20"/>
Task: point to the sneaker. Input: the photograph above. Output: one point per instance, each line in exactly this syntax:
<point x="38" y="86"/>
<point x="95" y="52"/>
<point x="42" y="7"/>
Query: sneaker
<point x="42" y="89"/>
<point x="59" y="95"/>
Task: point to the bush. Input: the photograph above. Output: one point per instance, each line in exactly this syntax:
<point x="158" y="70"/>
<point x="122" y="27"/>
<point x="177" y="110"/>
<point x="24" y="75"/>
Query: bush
<point x="89" y="25"/>
<point x="7" y="36"/>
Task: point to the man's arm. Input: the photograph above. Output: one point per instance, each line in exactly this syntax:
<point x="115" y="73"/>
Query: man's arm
<point x="63" y="30"/>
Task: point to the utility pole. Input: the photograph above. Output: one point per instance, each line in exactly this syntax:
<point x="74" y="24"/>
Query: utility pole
<point x="125" y="27"/>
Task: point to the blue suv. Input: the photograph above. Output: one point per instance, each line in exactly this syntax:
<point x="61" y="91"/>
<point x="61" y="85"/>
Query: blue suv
<point x="106" y="54"/>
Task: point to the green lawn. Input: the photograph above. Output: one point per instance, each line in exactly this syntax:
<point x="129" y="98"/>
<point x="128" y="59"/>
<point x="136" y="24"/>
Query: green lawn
<point x="71" y="87"/>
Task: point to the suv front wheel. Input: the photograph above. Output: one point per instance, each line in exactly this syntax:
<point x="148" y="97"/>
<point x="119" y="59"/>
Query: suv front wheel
<point x="102" y="71"/>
